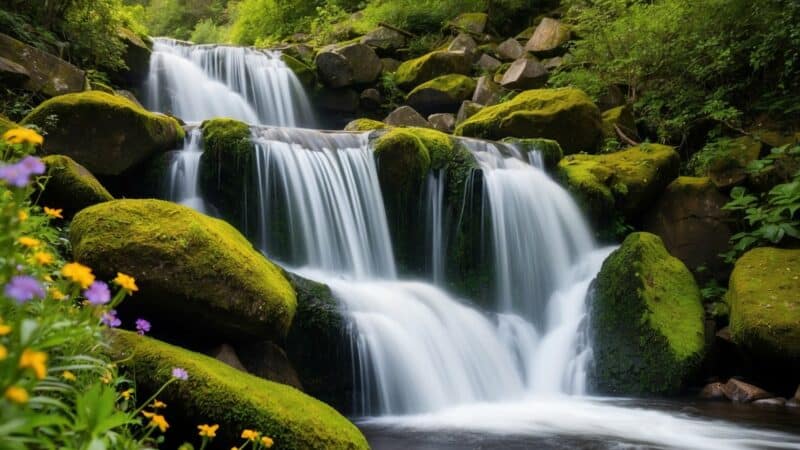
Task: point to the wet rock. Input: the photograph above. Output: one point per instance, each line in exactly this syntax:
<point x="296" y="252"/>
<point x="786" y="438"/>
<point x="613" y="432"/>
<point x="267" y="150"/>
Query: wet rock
<point x="348" y="65"/>
<point x="444" y="122"/>
<point x="510" y="50"/>
<point x="344" y="100"/>
<point x="384" y="40"/>
<point x="301" y="70"/>
<point x="741" y="392"/>
<point x="526" y="73"/>
<point x="487" y="92"/>
<point x="371" y="99"/>
<point x="549" y="38"/>
<point x="406" y="116"/>
<point x="713" y="391"/>
<point x="467" y="110"/>
<point x="774" y="402"/>
<point x="48" y="74"/>
<point x="488" y="63"/>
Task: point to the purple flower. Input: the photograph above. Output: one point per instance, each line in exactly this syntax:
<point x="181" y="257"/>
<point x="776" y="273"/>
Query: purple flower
<point x="19" y="174"/>
<point x="180" y="374"/>
<point x="98" y="293"/>
<point x="33" y="165"/>
<point x="142" y="326"/>
<point x="110" y="319"/>
<point x="23" y="288"/>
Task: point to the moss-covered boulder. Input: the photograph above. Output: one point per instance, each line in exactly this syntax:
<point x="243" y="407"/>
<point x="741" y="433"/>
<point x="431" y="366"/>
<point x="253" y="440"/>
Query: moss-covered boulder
<point x="548" y="150"/>
<point x="106" y="133"/>
<point x="442" y="94"/>
<point x="364" y="124"/>
<point x="225" y="166"/>
<point x="566" y="115"/>
<point x="646" y="320"/>
<point x="194" y="272"/>
<point x="70" y="186"/>
<point x="302" y="71"/>
<point x="627" y="181"/>
<point x="414" y="72"/>
<point x="725" y="161"/>
<point x="473" y="23"/>
<point x="620" y="117"/>
<point x="217" y="393"/>
<point x="764" y="297"/>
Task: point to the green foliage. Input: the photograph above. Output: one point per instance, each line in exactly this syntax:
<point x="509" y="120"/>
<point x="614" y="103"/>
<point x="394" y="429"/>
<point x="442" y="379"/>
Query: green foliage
<point x="770" y="218"/>
<point x="679" y="66"/>
<point x="208" y="32"/>
<point x="181" y="19"/>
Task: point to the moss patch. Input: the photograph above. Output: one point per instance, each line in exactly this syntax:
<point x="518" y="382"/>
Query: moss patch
<point x="365" y="125"/>
<point x="566" y="115"/>
<point x="622" y="117"/>
<point x="454" y="86"/>
<point x="187" y="265"/>
<point x="764" y="296"/>
<point x="70" y="186"/>
<point x="627" y="181"/>
<point x="218" y="393"/>
<point x="429" y="66"/>
<point x="106" y="133"/>
<point x="647" y="320"/>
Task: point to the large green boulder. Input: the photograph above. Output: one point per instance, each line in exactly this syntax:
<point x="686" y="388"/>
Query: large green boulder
<point x="764" y="298"/>
<point x="70" y="186"/>
<point x="216" y="393"/>
<point x="108" y="134"/>
<point x="442" y="94"/>
<point x="194" y="272"/>
<point x="626" y="182"/>
<point x="566" y="115"/>
<point x="225" y="165"/>
<point x="646" y="320"/>
<point x="416" y="71"/>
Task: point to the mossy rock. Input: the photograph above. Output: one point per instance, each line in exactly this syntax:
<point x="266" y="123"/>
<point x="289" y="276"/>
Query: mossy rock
<point x="444" y="93"/>
<point x="6" y="124"/>
<point x="136" y="56"/>
<point x="225" y="166"/>
<point x="473" y="23"/>
<point x="416" y="71"/>
<point x="403" y="160"/>
<point x="70" y="186"/>
<point x="107" y="134"/>
<point x="764" y="297"/>
<point x="194" y="271"/>
<point x="622" y="117"/>
<point x="566" y="115"/>
<point x="364" y="124"/>
<point x="627" y="182"/>
<point x="725" y="161"/>
<point x="646" y="321"/>
<point x="219" y="394"/>
<point x="549" y="149"/>
<point x="304" y="73"/>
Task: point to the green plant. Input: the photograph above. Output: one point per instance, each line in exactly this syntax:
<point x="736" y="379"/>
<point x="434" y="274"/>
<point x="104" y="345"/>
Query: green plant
<point x="393" y="96"/>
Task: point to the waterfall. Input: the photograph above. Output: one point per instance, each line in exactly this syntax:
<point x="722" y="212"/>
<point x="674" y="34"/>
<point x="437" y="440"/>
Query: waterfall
<point x="184" y="173"/>
<point x="199" y="82"/>
<point x="435" y="232"/>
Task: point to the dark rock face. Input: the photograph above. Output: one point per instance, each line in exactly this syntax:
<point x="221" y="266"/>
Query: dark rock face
<point x="348" y="65"/>
<point x="47" y="74"/>
<point x="13" y="74"/>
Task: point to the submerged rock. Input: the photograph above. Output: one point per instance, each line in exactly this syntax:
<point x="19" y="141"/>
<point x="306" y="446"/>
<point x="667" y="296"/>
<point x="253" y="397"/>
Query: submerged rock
<point x="442" y="94"/>
<point x="47" y="74"/>
<point x="70" y="186"/>
<point x="414" y="72"/>
<point x="646" y="320"/>
<point x="566" y="115"/>
<point x="194" y="272"/>
<point x="217" y="393"/>
<point x="106" y="133"/>
<point x="765" y="305"/>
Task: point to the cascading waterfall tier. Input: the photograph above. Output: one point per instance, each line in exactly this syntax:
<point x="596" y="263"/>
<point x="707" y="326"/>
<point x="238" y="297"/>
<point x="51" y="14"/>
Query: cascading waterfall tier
<point x="184" y="173"/>
<point x="199" y="82"/>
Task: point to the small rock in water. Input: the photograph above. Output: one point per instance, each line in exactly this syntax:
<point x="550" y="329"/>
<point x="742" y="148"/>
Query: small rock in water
<point x="713" y="391"/>
<point x="741" y="392"/>
<point x="773" y="402"/>
<point x="443" y="122"/>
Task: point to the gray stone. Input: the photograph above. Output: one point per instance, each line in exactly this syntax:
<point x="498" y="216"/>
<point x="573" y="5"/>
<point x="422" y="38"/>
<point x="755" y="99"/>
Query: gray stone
<point x="13" y="74"/>
<point x="487" y="92"/>
<point x="348" y="65"/>
<point x="444" y="122"/>
<point x="510" y="50"/>
<point x="384" y="40"/>
<point x="488" y="63"/>
<point x="227" y="354"/>
<point x="48" y="74"/>
<point x="406" y="116"/>
<point x="467" y="110"/>
<point x="549" y="38"/>
<point x="464" y="43"/>
<point x="371" y="99"/>
<point x="526" y="73"/>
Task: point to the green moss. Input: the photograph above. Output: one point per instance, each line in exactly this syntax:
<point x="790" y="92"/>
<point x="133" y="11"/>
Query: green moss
<point x="628" y="181"/>
<point x="442" y="92"/>
<point x="429" y="66"/>
<point x="566" y="115"/>
<point x="764" y="302"/>
<point x="550" y="150"/>
<point x="218" y="393"/>
<point x="470" y="22"/>
<point x="304" y="73"/>
<point x="365" y="125"/>
<point x="70" y="186"/>
<point x="106" y="133"/>
<point x="622" y="117"/>
<point x="403" y="160"/>
<point x="186" y="264"/>
<point x="647" y="320"/>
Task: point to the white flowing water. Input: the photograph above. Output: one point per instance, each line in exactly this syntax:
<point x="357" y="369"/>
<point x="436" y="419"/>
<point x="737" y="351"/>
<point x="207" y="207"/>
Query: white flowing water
<point x="199" y="82"/>
<point x="184" y="173"/>
<point x="435" y="232"/>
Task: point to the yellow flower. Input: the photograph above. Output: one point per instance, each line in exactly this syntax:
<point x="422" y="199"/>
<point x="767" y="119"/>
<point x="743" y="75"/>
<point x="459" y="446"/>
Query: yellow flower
<point x="29" y="242"/>
<point x="208" y="431"/>
<point x="158" y="404"/>
<point x="4" y="329"/>
<point x="43" y="258"/>
<point x="160" y="422"/>
<point x="67" y="375"/>
<point x="234" y="448"/>
<point x="22" y="215"/>
<point x="23" y="136"/>
<point x="54" y="213"/>
<point x="3" y="352"/>
<point x="56" y="294"/>
<point x="250" y="434"/>
<point x="37" y="361"/>
<point x="106" y="378"/>
<point x="148" y="414"/>
<point x="126" y="394"/>
<point x="266" y="442"/>
<point x="126" y="282"/>
<point x="17" y="395"/>
<point x="78" y="273"/>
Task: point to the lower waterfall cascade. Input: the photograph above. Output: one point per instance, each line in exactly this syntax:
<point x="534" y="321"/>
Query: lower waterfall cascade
<point x="426" y="359"/>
